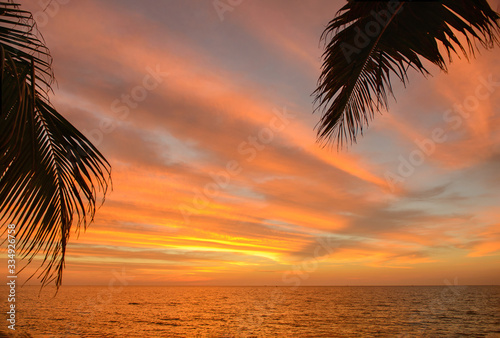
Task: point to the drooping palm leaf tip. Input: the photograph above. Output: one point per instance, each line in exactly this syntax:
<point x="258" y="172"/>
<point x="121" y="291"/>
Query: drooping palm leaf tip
<point x="370" y="41"/>
<point x="50" y="173"/>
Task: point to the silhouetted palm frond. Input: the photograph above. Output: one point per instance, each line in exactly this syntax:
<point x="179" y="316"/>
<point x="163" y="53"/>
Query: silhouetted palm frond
<point x="372" y="40"/>
<point x="49" y="171"/>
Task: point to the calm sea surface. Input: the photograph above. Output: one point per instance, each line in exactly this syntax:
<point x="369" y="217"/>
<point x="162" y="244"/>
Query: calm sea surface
<point x="134" y="311"/>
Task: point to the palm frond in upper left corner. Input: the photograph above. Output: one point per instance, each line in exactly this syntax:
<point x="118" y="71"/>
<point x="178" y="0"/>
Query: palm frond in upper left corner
<point x="50" y="173"/>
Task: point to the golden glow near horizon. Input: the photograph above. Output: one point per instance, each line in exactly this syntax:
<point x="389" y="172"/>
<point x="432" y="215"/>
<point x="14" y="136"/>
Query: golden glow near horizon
<point x="218" y="179"/>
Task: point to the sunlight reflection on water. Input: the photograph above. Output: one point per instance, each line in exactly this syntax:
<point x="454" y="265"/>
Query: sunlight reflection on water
<point x="260" y="311"/>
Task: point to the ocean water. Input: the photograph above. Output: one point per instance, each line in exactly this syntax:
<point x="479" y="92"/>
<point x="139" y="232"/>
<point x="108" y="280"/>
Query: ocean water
<point x="192" y="311"/>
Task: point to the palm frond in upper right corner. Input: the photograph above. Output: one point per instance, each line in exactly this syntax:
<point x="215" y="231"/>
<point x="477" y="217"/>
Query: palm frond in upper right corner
<point x="370" y="42"/>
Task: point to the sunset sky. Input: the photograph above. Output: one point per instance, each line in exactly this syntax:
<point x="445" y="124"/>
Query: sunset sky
<point x="207" y="121"/>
